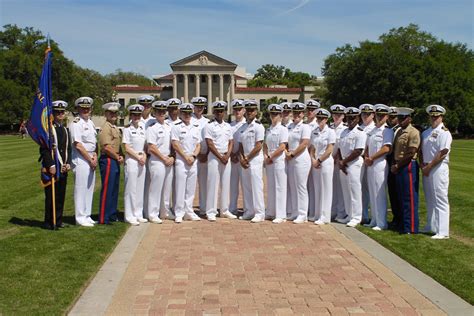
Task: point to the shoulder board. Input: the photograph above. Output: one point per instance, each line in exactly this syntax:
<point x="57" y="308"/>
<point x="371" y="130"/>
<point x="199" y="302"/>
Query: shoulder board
<point x="77" y="119"/>
<point x="360" y="128"/>
<point x="211" y="121"/>
<point x="178" y="123"/>
<point x="152" y="124"/>
<point x="345" y="124"/>
<point x="444" y="128"/>
<point x="128" y="125"/>
<point x="196" y="125"/>
<point x="258" y="122"/>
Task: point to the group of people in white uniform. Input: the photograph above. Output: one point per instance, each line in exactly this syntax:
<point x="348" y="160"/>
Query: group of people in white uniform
<point x="315" y="170"/>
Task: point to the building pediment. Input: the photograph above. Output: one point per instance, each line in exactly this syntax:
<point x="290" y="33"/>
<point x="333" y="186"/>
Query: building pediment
<point x="201" y="60"/>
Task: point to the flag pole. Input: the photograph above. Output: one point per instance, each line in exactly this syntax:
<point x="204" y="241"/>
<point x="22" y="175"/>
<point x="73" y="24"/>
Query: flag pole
<point x="53" y="189"/>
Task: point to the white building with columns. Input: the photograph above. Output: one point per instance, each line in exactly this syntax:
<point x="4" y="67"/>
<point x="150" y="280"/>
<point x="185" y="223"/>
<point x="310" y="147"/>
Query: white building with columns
<point x="205" y="74"/>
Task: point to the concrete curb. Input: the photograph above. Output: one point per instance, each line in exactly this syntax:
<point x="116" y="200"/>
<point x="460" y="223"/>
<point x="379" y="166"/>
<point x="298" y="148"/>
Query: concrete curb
<point x="435" y="292"/>
<point x="98" y="295"/>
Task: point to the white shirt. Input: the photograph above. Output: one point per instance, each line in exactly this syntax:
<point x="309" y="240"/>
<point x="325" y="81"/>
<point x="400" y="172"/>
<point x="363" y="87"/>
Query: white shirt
<point x="351" y="140"/>
<point x="159" y="135"/>
<point x="313" y="124"/>
<point x="249" y="135"/>
<point x="146" y="122"/>
<point x="274" y="137"/>
<point x="189" y="136"/>
<point x="83" y="131"/>
<point x="236" y="125"/>
<point x="435" y="140"/>
<point x="171" y="122"/>
<point x="297" y="132"/>
<point x="338" y="129"/>
<point x="377" y="138"/>
<point x="368" y="128"/>
<point x="202" y="122"/>
<point x="220" y="134"/>
<point x="320" y="139"/>
<point x="135" y="137"/>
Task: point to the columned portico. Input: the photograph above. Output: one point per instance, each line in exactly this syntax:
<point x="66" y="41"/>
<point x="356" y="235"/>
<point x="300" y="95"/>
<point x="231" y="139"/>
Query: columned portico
<point x="209" y="90"/>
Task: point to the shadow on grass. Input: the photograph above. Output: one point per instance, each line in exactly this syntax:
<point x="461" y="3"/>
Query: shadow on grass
<point x="36" y="223"/>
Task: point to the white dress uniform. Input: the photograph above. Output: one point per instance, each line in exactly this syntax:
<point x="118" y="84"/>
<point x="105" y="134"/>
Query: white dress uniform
<point x="134" y="173"/>
<point x="161" y="176"/>
<point x="337" y="210"/>
<point x="298" y="171"/>
<point x="351" y="182"/>
<point x="189" y="136"/>
<point x="145" y="100"/>
<point x="252" y="177"/>
<point x="202" y="167"/>
<point x="436" y="184"/>
<point x="276" y="172"/>
<point x="83" y="131"/>
<point x="218" y="174"/>
<point x="377" y="174"/>
<point x="368" y="108"/>
<point x="286" y="122"/>
<point x="311" y="194"/>
<point x="323" y="177"/>
<point x="236" y="169"/>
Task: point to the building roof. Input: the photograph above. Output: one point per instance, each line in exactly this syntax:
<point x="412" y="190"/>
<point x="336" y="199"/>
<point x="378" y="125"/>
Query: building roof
<point x="167" y="77"/>
<point x="267" y="89"/>
<point x="137" y="88"/>
<point x="203" y="52"/>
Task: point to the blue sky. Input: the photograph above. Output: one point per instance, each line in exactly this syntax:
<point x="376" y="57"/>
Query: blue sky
<point x="145" y="36"/>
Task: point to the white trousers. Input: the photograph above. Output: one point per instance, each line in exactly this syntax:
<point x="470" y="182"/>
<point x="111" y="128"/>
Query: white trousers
<point x="288" y="191"/>
<point x="218" y="175"/>
<point x="311" y="197"/>
<point x="235" y="181"/>
<point x="276" y="189"/>
<point x="84" y="183"/>
<point x="298" y="173"/>
<point x="435" y="187"/>
<point x="377" y="182"/>
<point x="202" y="178"/>
<point x="337" y="209"/>
<point x="365" y="194"/>
<point x="322" y="185"/>
<point x="159" y="194"/>
<point x="252" y="183"/>
<point x="146" y="188"/>
<point x="352" y="189"/>
<point x="134" y="190"/>
<point x="185" y="187"/>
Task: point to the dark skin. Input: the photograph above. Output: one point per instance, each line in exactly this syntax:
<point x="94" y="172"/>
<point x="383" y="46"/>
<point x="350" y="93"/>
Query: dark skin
<point x="219" y="117"/>
<point x="250" y="115"/>
<point x="352" y="122"/>
<point x="404" y="121"/>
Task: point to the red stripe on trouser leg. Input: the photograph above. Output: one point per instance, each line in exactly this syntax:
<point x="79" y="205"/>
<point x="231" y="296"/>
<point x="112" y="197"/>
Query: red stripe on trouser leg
<point x="104" y="194"/>
<point x="412" y="199"/>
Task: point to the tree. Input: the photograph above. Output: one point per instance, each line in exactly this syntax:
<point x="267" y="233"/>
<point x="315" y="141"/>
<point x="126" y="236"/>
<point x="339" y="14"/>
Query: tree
<point x="405" y="67"/>
<point x="269" y="75"/>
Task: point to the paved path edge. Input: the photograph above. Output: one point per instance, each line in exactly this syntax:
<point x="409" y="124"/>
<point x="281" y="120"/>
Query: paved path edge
<point x="99" y="293"/>
<point x="448" y="301"/>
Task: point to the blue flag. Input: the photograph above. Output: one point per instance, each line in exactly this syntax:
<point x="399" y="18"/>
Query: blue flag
<point x="39" y="124"/>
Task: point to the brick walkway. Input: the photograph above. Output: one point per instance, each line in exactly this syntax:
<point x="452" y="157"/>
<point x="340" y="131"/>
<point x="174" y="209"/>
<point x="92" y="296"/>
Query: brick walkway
<point x="235" y="267"/>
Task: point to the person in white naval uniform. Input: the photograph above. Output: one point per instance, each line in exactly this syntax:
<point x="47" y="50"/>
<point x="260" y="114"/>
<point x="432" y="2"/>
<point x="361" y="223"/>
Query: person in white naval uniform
<point x="286" y="120"/>
<point x="299" y="163"/>
<point x="338" y="213"/>
<point x="186" y="141"/>
<point x="435" y="148"/>
<point x="173" y="119"/>
<point x="367" y="116"/>
<point x="198" y="118"/>
<point x="322" y="143"/>
<point x="250" y="140"/>
<point x="219" y="139"/>
<point x="160" y="164"/>
<point x="145" y="120"/>
<point x="276" y="139"/>
<point x="350" y="151"/>
<point x="236" y="170"/>
<point x="311" y="108"/>
<point x="84" y="161"/>
<point x="134" y="139"/>
<point x="379" y="144"/>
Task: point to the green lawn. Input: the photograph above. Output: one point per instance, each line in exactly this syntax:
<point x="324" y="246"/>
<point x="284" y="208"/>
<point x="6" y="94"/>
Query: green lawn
<point x="42" y="272"/>
<point x="450" y="262"/>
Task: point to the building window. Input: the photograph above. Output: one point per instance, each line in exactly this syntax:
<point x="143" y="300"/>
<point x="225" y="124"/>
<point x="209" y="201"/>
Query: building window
<point x="295" y="100"/>
<point x="180" y="78"/>
<point x="214" y="79"/>
<point x="132" y="101"/>
<point x="122" y="102"/>
<point x="203" y="79"/>
<point x="191" y="79"/>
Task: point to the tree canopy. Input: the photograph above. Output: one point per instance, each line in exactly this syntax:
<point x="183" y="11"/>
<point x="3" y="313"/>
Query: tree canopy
<point x="269" y="75"/>
<point x="21" y="59"/>
<point x="406" y="67"/>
